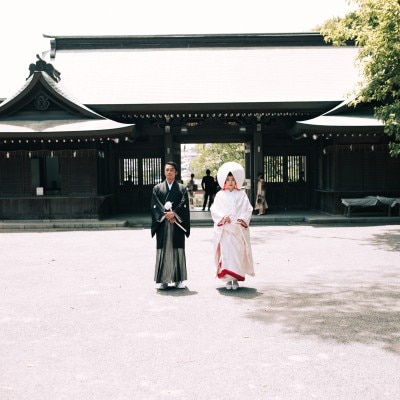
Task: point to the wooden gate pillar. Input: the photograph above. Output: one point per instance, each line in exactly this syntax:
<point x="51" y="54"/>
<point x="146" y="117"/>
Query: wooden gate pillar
<point x="168" y="147"/>
<point x="258" y="159"/>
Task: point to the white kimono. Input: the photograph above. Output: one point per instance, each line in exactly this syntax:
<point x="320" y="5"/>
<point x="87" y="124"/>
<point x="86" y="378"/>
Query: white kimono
<point x="232" y="249"/>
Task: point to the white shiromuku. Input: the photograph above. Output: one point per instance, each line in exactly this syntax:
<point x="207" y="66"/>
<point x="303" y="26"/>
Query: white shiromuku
<point x="232" y="250"/>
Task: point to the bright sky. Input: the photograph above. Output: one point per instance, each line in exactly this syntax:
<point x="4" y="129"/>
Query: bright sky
<point x="24" y="22"/>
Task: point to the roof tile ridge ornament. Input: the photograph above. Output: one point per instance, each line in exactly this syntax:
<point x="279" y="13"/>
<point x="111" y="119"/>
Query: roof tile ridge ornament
<point x="42" y="66"/>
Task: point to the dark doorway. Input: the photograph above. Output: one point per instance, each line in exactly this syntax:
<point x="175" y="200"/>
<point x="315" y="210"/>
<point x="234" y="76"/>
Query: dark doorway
<point x="286" y="176"/>
<point x="136" y="178"/>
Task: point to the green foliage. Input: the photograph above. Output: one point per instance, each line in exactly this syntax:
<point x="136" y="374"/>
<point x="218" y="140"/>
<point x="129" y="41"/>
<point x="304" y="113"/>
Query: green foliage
<point x="375" y="28"/>
<point x="212" y="155"/>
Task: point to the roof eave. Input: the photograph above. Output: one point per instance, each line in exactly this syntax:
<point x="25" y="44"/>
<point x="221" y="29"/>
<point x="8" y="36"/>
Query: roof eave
<point x="60" y="42"/>
<point x="303" y="128"/>
<point x="86" y="131"/>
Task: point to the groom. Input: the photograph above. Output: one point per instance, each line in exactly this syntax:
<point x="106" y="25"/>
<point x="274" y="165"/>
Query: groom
<point x="170" y="222"/>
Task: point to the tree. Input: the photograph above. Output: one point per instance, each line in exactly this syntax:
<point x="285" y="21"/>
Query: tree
<point x="374" y="26"/>
<point x="212" y="155"/>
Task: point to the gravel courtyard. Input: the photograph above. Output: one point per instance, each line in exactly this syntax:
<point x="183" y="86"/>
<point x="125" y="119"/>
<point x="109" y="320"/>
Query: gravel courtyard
<point x="80" y="318"/>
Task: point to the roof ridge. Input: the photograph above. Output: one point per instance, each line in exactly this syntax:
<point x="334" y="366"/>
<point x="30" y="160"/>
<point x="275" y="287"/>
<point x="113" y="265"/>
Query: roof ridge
<point x="187" y="41"/>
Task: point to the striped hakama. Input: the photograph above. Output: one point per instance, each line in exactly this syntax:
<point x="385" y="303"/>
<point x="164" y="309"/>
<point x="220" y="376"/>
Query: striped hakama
<point x="170" y="261"/>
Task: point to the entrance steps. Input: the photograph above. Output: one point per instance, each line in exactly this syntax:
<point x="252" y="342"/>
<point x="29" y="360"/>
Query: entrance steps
<point x="198" y="219"/>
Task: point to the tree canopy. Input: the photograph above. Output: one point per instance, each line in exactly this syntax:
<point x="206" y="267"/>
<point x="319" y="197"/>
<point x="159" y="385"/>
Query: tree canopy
<point x="374" y="26"/>
<point x="212" y="155"/>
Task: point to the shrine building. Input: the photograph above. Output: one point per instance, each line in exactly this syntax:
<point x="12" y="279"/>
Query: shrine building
<point x="89" y="130"/>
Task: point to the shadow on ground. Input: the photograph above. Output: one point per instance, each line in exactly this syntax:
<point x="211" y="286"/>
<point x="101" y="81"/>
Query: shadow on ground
<point x="241" y="293"/>
<point x="389" y="240"/>
<point x="172" y="291"/>
<point x="345" y="314"/>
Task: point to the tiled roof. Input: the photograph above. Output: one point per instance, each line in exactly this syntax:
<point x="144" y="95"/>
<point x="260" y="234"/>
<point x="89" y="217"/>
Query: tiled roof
<point x="68" y="118"/>
<point x="198" y="75"/>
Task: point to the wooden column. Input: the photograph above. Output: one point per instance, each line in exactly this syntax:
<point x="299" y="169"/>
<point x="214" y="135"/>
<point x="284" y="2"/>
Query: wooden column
<point x="258" y="160"/>
<point x="168" y="147"/>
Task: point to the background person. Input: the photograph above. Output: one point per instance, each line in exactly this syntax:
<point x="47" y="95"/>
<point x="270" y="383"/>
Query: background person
<point x="216" y="189"/>
<point x="192" y="187"/>
<point x="301" y="177"/>
<point x="207" y="184"/>
<point x="261" y="202"/>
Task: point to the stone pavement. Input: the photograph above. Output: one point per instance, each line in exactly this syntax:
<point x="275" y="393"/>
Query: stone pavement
<point x="80" y="318"/>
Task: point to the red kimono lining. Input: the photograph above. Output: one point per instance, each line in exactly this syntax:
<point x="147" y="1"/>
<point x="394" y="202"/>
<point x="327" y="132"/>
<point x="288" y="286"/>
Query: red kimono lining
<point x="233" y="274"/>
